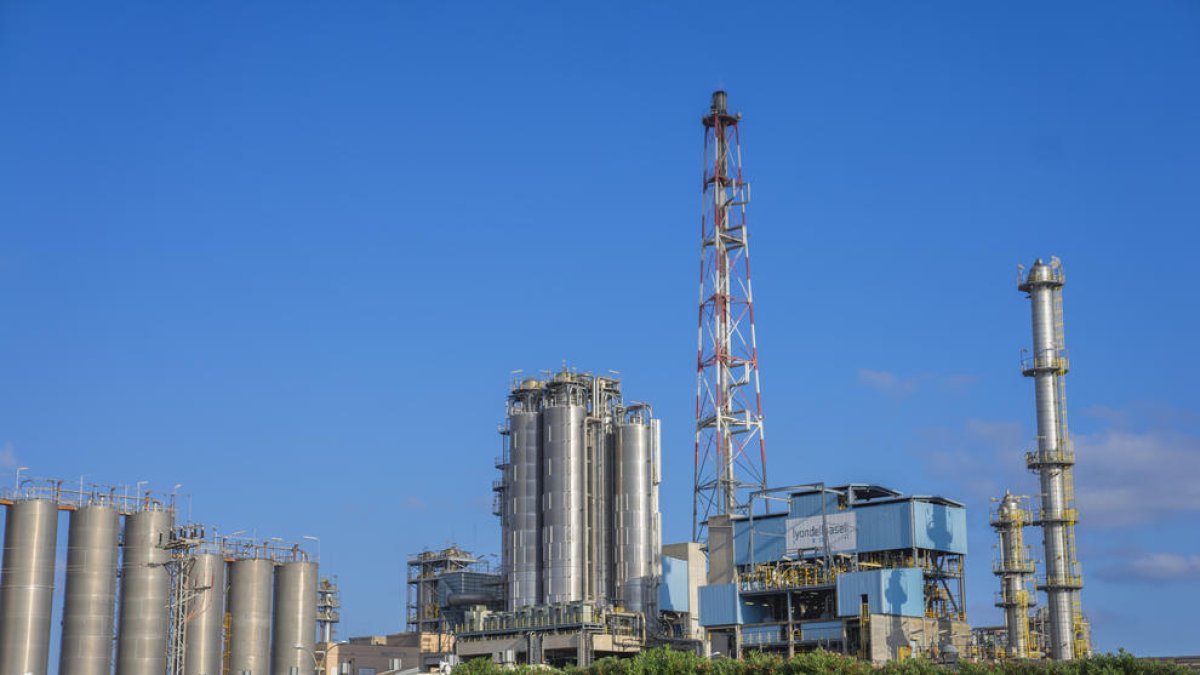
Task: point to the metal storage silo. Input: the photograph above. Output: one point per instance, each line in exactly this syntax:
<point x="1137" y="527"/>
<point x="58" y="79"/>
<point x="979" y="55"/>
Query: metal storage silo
<point x="632" y="511"/>
<point x="145" y="593"/>
<point x="27" y="586"/>
<point x="206" y="612"/>
<point x="563" y="485"/>
<point x="294" y="627"/>
<point x="91" y="593"/>
<point x="525" y="538"/>
<point x="250" y="588"/>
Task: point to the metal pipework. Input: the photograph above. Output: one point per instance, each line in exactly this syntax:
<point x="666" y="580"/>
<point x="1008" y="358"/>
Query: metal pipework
<point x="27" y="586"/>
<point x="145" y="594"/>
<point x="1015" y="571"/>
<point x="293" y="630"/>
<point x="1054" y="459"/>
<point x="206" y="615"/>
<point x="250" y="589"/>
<point x="91" y="592"/>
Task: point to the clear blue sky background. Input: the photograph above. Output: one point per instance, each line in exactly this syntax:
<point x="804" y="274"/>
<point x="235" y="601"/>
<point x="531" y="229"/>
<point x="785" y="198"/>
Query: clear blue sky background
<point x="287" y="254"/>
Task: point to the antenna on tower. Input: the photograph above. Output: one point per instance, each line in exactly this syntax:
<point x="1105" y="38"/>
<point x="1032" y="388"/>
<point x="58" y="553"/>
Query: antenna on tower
<point x="730" y="453"/>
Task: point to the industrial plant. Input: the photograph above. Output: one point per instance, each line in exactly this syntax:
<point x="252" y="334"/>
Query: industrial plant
<point x="785" y="566"/>
<point x="145" y="596"/>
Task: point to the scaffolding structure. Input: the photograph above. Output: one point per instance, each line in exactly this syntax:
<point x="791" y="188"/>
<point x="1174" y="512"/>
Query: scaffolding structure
<point x="435" y="576"/>
<point x="730" y="451"/>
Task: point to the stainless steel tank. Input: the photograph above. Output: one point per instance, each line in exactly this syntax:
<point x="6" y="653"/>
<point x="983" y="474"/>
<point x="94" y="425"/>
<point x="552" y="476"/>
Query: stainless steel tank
<point x="563" y="517"/>
<point x="27" y="586"/>
<point x="525" y="537"/>
<point x="632" y="510"/>
<point x="90" y="603"/>
<point x="294" y="628"/>
<point x="251" y="584"/>
<point x="145" y="594"/>
<point x="204" y="630"/>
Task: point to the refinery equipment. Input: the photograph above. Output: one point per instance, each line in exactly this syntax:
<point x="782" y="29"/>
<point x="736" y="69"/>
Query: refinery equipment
<point x="251" y="583"/>
<point x="172" y="585"/>
<point x="578" y="494"/>
<point x="88" y="626"/>
<point x="860" y="569"/>
<point x="27" y="585"/>
<point x="444" y="584"/>
<point x="1015" y="570"/>
<point x="730" y="452"/>
<point x="1054" y="460"/>
<point x="579" y="521"/>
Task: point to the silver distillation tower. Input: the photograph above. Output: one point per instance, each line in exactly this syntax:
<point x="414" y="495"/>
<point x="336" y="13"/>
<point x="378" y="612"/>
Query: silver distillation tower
<point x="1015" y="570"/>
<point x="1053" y="462"/>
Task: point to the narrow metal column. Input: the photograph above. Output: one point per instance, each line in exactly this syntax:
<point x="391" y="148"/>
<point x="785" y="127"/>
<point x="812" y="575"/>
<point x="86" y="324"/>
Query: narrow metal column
<point x="27" y="586"/>
<point x="1015" y="570"/>
<point x="1054" y="458"/>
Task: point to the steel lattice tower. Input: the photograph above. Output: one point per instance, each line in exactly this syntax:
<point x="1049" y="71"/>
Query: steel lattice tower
<point x="730" y="453"/>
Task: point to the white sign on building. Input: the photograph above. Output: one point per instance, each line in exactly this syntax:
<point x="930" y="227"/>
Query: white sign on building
<point x="805" y="533"/>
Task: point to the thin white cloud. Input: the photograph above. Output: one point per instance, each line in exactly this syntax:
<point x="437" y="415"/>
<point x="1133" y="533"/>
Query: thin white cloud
<point x="893" y="384"/>
<point x="1129" y="478"/>
<point x="887" y="382"/>
<point x="1156" y="567"/>
<point x="8" y="456"/>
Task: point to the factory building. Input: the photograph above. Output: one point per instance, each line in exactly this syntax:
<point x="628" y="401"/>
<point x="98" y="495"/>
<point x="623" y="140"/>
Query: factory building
<point x="170" y="598"/>
<point x="578" y="505"/>
<point x="859" y="569"/>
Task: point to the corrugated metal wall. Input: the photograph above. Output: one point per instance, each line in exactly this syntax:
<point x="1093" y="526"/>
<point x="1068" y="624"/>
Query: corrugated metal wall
<point x="673" y="591"/>
<point x="885" y="527"/>
<point x="892" y="591"/>
<point x="719" y="605"/>
<point x="770" y="539"/>
<point x="941" y="528"/>
<point x="821" y="630"/>
<point x="804" y="506"/>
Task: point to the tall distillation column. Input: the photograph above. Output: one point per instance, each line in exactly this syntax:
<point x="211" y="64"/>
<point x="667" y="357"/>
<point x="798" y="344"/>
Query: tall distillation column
<point x="145" y="593"/>
<point x="1054" y="460"/>
<point x="1016" y="572"/>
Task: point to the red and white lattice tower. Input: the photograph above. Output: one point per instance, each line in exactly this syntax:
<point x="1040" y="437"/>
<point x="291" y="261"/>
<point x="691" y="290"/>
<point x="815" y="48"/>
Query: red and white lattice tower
<point x="730" y="450"/>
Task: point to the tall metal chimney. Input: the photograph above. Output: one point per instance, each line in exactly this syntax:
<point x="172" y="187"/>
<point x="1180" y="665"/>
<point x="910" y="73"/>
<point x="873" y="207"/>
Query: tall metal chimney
<point x="1053" y="462"/>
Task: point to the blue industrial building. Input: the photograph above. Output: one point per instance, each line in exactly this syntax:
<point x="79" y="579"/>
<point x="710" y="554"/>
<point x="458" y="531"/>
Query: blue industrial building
<point x="860" y="569"/>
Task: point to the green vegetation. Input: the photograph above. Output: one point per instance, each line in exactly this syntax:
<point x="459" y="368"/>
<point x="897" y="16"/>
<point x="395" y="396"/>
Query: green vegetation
<point x="666" y="662"/>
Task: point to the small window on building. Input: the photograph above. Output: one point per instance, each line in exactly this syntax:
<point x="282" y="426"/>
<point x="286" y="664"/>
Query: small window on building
<point x="366" y="671"/>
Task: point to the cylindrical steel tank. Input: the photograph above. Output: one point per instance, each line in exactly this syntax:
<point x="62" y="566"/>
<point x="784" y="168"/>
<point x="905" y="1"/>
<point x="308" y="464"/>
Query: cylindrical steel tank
<point x="206" y="615"/>
<point x="563" y="512"/>
<point x="293" y="630"/>
<point x="90" y="604"/>
<point x="525" y="538"/>
<point x="251" y="584"/>
<point x="145" y="594"/>
<point x="27" y="586"/>
<point x="632" y="495"/>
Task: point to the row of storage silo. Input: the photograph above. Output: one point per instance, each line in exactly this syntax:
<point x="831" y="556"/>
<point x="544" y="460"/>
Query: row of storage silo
<point x="120" y="603"/>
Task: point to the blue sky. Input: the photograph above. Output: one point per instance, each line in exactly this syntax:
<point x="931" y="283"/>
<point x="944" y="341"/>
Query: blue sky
<point x="287" y="254"/>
